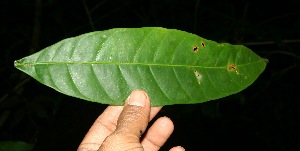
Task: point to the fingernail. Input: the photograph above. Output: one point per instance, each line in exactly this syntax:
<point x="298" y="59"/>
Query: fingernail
<point x="137" y="98"/>
<point x="181" y="147"/>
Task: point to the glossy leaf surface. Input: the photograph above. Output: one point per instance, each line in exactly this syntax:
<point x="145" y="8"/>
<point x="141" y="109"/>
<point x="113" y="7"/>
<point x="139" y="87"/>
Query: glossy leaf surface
<point x="173" y="66"/>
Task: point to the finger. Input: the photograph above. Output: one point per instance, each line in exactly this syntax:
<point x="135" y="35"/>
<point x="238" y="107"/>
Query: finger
<point x="132" y="122"/>
<point x="158" y="134"/>
<point x="104" y="125"/>
<point x="136" y="113"/>
<point x="154" y="111"/>
<point x="177" y="148"/>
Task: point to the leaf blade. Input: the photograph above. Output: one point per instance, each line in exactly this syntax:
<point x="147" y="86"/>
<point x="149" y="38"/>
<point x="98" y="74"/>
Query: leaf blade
<point x="173" y="66"/>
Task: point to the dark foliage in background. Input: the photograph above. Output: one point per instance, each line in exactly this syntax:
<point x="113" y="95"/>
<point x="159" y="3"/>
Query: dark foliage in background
<point x="265" y="116"/>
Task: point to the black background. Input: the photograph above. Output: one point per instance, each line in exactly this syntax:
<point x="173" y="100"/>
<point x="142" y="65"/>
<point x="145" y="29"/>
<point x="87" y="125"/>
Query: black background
<point x="265" y="116"/>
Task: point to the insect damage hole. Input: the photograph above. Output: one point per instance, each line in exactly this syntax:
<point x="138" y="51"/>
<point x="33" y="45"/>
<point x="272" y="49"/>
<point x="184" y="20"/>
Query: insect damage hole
<point x="198" y="76"/>
<point x="202" y="44"/>
<point x="232" y="67"/>
<point x="195" y="48"/>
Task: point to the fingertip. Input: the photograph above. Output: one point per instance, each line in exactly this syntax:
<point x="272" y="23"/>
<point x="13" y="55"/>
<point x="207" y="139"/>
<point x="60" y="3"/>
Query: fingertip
<point x="165" y="123"/>
<point x="138" y="98"/>
<point x="177" y="148"/>
<point x="158" y="133"/>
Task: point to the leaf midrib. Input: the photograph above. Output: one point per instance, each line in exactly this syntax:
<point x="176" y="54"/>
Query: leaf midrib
<point x="133" y="63"/>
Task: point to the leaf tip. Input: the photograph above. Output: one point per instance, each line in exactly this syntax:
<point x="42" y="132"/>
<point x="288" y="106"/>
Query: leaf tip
<point x="16" y="63"/>
<point x="266" y="60"/>
<point x="19" y="63"/>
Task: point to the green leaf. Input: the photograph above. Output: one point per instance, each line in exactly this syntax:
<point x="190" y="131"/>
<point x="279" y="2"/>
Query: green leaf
<point x="15" y="146"/>
<point x="173" y="66"/>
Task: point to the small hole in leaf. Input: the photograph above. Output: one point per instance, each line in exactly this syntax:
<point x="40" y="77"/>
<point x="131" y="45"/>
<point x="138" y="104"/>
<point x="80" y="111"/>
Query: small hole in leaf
<point x="198" y="76"/>
<point x="195" y="48"/>
<point x="231" y="67"/>
<point x="202" y="44"/>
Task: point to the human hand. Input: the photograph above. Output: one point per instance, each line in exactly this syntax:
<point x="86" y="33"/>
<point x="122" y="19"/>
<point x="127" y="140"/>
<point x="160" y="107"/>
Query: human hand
<point x="121" y="127"/>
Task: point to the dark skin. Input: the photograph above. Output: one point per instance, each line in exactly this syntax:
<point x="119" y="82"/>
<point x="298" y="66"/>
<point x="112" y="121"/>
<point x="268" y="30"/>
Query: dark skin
<point x="120" y="127"/>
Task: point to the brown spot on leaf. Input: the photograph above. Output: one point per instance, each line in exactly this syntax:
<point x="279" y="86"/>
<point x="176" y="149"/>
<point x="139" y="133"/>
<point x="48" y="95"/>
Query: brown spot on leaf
<point x="26" y="65"/>
<point x="231" y="67"/>
<point x="195" y="48"/>
<point x="202" y="44"/>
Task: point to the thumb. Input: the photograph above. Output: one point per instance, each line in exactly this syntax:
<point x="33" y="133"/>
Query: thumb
<point x="135" y="116"/>
<point x="132" y="122"/>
